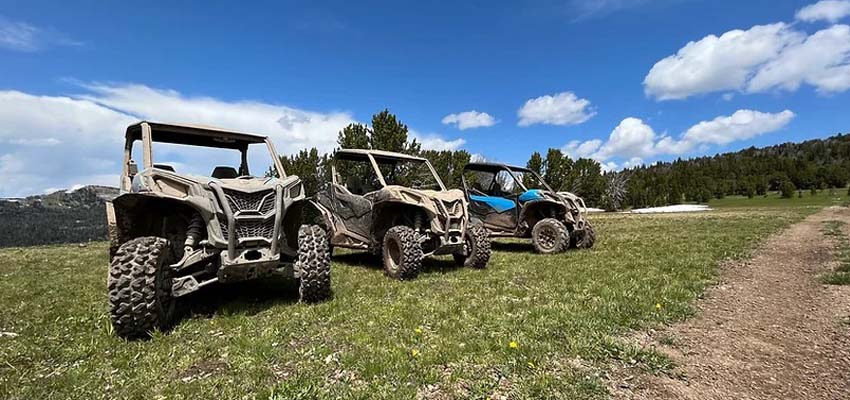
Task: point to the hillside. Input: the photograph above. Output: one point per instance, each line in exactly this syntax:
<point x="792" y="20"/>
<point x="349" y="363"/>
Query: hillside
<point x="813" y="164"/>
<point x="73" y="216"/>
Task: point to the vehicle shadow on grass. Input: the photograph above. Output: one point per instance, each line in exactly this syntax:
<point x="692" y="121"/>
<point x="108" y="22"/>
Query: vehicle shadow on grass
<point x="512" y="247"/>
<point x="364" y="259"/>
<point x="247" y="298"/>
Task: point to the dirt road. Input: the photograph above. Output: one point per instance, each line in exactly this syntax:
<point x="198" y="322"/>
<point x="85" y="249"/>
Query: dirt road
<point x="769" y="330"/>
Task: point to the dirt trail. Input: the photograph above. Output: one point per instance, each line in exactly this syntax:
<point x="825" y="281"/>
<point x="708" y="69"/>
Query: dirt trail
<point x="769" y="330"/>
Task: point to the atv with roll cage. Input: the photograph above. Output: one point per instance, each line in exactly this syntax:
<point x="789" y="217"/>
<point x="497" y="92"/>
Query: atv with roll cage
<point x="173" y="233"/>
<point x="396" y="206"/>
<point x="514" y="201"/>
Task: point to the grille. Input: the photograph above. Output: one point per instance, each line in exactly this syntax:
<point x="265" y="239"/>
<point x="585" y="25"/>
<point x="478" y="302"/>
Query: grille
<point x="250" y="229"/>
<point x="453" y="208"/>
<point x="247" y="208"/>
<point x="261" y="202"/>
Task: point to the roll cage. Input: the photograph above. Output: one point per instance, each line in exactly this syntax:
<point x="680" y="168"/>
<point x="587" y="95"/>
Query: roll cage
<point x="148" y="133"/>
<point x="495" y="168"/>
<point x="373" y="157"/>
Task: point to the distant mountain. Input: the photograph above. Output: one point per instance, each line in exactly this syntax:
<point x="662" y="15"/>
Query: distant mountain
<point x="65" y="216"/>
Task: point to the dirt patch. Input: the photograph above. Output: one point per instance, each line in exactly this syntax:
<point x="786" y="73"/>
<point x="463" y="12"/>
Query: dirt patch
<point x="769" y="330"/>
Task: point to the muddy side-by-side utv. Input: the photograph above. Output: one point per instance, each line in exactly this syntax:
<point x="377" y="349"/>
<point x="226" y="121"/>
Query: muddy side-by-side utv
<point x="396" y="206"/>
<point x="173" y="233"/>
<point x="516" y="202"/>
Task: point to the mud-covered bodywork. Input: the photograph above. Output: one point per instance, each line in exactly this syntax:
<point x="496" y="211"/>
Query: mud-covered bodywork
<point x="360" y="220"/>
<point x="499" y="196"/>
<point x="227" y="227"/>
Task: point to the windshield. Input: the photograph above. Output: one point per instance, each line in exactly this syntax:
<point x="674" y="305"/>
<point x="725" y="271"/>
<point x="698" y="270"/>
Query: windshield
<point x="530" y="180"/>
<point x="411" y="173"/>
<point x="207" y="161"/>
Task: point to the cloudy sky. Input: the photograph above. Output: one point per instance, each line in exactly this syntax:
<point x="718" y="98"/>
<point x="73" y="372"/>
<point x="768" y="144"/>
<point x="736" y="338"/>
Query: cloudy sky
<point x="621" y="81"/>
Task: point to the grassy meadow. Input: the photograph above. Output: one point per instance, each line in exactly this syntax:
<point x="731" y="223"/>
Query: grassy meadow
<point x="529" y="326"/>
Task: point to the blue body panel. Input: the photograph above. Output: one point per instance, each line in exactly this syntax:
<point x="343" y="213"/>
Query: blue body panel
<point x="533" y="194"/>
<point x="500" y="204"/>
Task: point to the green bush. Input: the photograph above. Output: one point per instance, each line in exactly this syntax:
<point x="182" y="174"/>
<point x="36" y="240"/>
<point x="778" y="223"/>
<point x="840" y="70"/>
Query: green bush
<point x="787" y="189"/>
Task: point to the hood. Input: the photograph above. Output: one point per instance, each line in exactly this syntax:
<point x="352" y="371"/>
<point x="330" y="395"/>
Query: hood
<point x="246" y="184"/>
<point x="451" y="200"/>
<point x="540" y="194"/>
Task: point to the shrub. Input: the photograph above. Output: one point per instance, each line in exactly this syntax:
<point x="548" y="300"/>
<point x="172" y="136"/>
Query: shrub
<point x="787" y="188"/>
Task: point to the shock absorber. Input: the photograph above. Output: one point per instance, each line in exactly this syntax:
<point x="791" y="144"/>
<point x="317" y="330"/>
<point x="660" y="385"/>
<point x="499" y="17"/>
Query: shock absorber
<point x="417" y="221"/>
<point x="194" y="232"/>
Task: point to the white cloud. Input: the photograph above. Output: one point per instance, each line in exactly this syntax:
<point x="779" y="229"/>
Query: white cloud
<point x="435" y="142"/>
<point x="576" y="149"/>
<point x="822" y="60"/>
<point x="592" y="8"/>
<point x="21" y="36"/>
<point x="609" y="166"/>
<point x="560" y="109"/>
<point x="631" y="138"/>
<point x="18" y="36"/>
<point x="82" y="135"/>
<point x="634" y="140"/>
<point x="760" y="59"/>
<point x="89" y="139"/>
<point x="469" y="120"/>
<point x="826" y="10"/>
<point x="742" y="125"/>
<point x="291" y="129"/>
<point x="717" y="63"/>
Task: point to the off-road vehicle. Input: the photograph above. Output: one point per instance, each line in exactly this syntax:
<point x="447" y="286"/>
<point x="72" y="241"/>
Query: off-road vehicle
<point x="172" y="233"/>
<point x="395" y="205"/>
<point x="515" y="201"/>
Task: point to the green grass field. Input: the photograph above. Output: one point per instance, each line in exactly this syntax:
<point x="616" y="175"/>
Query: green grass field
<point x="529" y="326"/>
<point x="823" y="198"/>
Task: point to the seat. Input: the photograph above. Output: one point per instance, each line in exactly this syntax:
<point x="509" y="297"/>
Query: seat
<point x="497" y="190"/>
<point x="354" y="186"/>
<point x="224" y="172"/>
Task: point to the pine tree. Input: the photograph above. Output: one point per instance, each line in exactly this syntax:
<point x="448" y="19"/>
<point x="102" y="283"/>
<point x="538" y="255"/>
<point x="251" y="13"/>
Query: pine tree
<point x="390" y="134"/>
<point x="354" y="136"/>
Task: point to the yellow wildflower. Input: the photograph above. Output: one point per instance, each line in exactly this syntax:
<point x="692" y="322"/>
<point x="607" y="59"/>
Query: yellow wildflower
<point x="414" y="353"/>
<point x="513" y="344"/>
<point x="658" y="306"/>
<point x="418" y="329"/>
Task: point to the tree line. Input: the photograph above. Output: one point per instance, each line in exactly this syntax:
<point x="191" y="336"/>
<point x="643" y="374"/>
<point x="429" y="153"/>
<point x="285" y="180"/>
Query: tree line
<point x="811" y="165"/>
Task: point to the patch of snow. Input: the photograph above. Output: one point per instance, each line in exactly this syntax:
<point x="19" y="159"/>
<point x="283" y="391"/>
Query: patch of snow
<point x="594" y="210"/>
<point x="679" y="208"/>
<point x="75" y="188"/>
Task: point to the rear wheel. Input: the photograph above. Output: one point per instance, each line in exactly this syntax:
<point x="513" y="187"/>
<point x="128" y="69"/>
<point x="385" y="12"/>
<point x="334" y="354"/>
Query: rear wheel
<point x="139" y="286"/>
<point x="476" y="249"/>
<point x="550" y="236"/>
<point x="402" y="253"/>
<point x="314" y="264"/>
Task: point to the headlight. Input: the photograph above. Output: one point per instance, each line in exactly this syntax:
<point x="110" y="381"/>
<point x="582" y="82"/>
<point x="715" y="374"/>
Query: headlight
<point x="295" y="190"/>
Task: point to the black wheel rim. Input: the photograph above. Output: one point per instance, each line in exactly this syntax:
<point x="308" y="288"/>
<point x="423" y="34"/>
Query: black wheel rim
<point x="546" y="238"/>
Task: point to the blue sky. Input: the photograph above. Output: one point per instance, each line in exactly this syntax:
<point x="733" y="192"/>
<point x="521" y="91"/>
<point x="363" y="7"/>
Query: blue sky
<point x="624" y="86"/>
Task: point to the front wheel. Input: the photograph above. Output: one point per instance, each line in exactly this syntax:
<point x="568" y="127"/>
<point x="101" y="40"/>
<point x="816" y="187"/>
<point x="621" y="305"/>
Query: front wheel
<point x="402" y="253"/>
<point x="550" y="236"/>
<point x="314" y="264"/>
<point x="587" y="238"/>
<point x="139" y="285"/>
<point x="476" y="249"/>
